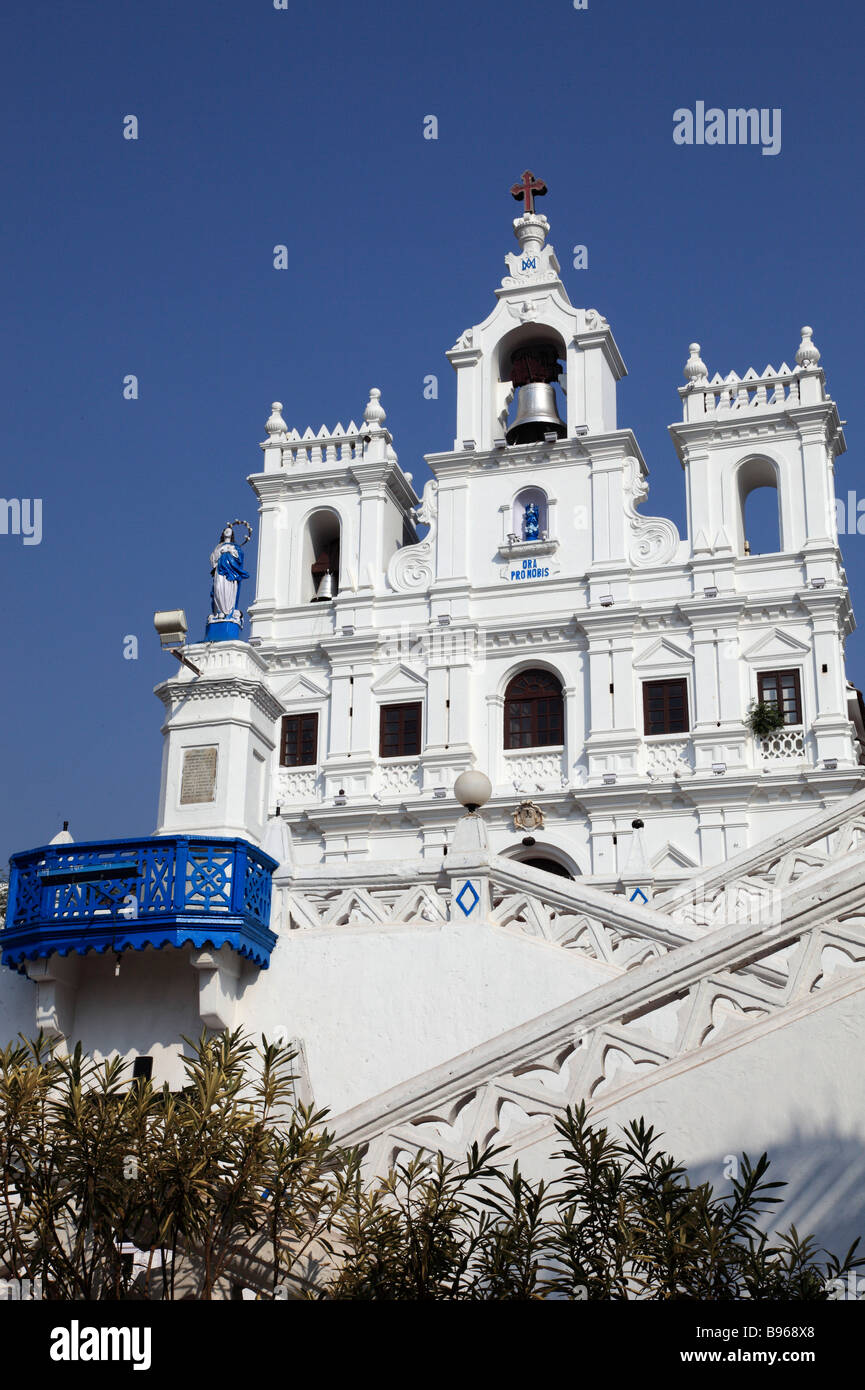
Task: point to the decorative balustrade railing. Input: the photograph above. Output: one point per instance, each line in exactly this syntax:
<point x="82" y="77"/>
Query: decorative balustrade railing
<point x="531" y="770"/>
<point x="783" y="746"/>
<point x="164" y="891"/>
<point x="668" y="758"/>
<point x="296" y="785"/>
<point x="753" y="391"/>
<point x="340" y="445"/>
<point x="665" y="1016"/>
<point x="396" y="778"/>
<point x="749" y="887"/>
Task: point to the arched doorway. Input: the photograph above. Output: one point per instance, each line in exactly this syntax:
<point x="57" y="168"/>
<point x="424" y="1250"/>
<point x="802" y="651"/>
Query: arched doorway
<point x="547" y="866"/>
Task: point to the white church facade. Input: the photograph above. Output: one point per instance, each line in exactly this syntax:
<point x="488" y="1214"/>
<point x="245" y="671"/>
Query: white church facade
<point x="659" y="904"/>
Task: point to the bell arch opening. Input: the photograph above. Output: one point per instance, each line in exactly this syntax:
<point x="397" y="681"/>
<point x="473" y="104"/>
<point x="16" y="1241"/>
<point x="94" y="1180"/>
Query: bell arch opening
<point x="530" y="362"/>
<point x="759" y="514"/>
<point x="321" y="557"/>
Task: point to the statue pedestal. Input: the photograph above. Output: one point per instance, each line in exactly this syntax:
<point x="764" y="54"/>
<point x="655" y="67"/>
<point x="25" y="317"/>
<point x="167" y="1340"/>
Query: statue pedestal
<point x="224" y="629"/>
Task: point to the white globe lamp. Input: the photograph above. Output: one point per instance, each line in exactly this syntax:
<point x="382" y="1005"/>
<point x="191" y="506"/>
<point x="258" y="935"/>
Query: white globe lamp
<point x="472" y="790"/>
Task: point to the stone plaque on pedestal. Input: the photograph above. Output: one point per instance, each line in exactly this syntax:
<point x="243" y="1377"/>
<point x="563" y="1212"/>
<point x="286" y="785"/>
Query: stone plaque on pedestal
<point x="198" y="781"/>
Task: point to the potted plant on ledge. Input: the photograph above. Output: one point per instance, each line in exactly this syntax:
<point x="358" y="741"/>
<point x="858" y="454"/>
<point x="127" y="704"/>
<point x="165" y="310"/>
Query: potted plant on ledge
<point x="764" y="718"/>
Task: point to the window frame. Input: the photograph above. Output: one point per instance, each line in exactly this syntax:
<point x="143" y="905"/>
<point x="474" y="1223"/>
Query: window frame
<point x="793" y="671"/>
<point x="400" y="706"/>
<point x="666" y="681"/>
<point x="300" y="716"/>
<point x="534" y="701"/>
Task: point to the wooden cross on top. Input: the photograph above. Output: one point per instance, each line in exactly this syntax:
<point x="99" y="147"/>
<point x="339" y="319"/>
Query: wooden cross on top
<point x="528" y="189"/>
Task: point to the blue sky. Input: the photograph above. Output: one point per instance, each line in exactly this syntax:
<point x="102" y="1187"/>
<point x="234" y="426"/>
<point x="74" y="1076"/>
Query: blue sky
<point x="260" y="126"/>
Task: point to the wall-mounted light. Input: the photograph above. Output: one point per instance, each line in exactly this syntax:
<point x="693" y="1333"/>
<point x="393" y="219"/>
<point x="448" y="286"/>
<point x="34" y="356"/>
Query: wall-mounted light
<point x="439" y="792"/>
<point x="830" y="764"/>
<point x="500" y="442"/>
<point x="469" y="444"/>
<point x="172" y="627"/>
<point x="606" y="600"/>
<point x="711" y="591"/>
<point x="719" y="769"/>
<point x="609" y="779"/>
<point x="818" y="583"/>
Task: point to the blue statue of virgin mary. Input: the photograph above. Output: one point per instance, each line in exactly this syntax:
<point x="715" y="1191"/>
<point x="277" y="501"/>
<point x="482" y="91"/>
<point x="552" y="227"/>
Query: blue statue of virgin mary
<point x="226" y="569"/>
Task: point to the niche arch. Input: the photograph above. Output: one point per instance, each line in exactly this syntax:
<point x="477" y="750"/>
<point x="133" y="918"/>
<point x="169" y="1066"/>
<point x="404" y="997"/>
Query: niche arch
<point x="530" y="496"/>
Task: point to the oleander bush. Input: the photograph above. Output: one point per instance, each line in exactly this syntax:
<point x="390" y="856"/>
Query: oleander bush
<point x="114" y="1189"/>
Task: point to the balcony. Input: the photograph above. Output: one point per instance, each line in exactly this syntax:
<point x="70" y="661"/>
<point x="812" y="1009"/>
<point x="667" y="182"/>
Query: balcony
<point x="108" y="895"/>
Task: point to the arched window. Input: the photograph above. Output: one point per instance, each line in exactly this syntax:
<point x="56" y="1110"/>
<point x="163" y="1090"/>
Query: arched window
<point x="534" y="711"/>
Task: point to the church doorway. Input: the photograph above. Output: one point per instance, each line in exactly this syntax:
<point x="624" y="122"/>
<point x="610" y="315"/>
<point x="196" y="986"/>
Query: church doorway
<point x="549" y="866"/>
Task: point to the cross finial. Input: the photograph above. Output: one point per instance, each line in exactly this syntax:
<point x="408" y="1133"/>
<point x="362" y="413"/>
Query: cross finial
<point x="528" y="189"/>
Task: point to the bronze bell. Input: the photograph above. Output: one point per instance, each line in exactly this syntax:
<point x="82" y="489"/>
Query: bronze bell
<point x="537" y="414"/>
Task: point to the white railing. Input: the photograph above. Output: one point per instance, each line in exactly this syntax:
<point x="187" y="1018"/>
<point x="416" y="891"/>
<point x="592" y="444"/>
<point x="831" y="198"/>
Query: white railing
<point x="397" y="778"/>
<point x="753" y="391"/>
<point x="328" y="446"/>
<point x="785" y="745"/>
<point x="668" y="757"/>
<point x="535" y="770"/>
<point x="296" y="784"/>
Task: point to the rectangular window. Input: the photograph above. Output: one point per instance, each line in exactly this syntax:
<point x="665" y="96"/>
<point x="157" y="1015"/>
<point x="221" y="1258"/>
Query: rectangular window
<point x="781" y="688"/>
<point x="665" y="707"/>
<point x="400" y="731"/>
<point x="299" y="746"/>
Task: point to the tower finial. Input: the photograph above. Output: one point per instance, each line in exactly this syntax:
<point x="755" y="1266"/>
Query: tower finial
<point x="695" y="372"/>
<point x="807" y="353"/>
<point x="374" y="414"/>
<point x="276" y="424"/>
<point x="527" y="189"/>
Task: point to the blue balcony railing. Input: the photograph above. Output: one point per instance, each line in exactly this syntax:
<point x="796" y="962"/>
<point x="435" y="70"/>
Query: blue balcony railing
<point x="108" y="895"/>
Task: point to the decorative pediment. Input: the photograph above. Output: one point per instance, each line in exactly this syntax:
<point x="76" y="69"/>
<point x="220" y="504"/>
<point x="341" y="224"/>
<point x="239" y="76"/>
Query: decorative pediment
<point x="400" y="680"/>
<point x="302" y="687"/>
<point x="662" y="653"/>
<point x="776" y="643"/>
<point x="672" y="859"/>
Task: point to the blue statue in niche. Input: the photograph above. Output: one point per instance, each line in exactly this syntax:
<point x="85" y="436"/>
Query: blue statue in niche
<point x="226" y="570"/>
<point x="531" y="522"/>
